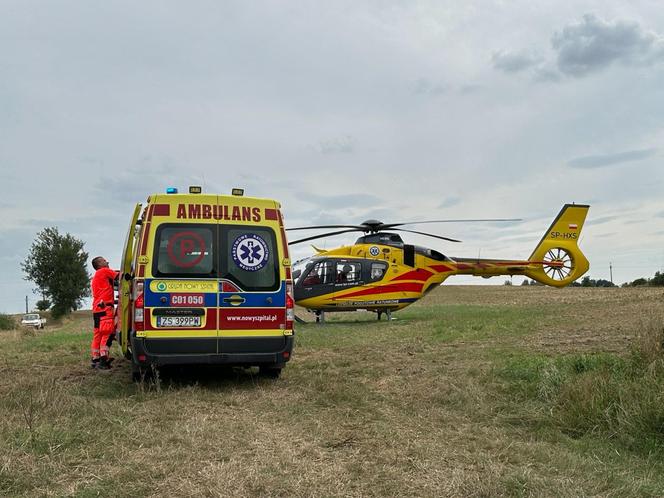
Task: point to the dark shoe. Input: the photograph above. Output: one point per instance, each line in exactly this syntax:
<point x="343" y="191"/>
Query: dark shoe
<point x="94" y="363"/>
<point x="104" y="364"/>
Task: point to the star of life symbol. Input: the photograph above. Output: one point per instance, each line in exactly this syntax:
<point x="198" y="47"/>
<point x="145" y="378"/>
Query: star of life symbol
<point x="374" y="251"/>
<point x="250" y="252"/>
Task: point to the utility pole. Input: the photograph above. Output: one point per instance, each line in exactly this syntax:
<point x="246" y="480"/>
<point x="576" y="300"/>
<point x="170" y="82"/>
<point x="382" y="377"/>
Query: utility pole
<point x="26" y="304"/>
<point x="611" y="271"/>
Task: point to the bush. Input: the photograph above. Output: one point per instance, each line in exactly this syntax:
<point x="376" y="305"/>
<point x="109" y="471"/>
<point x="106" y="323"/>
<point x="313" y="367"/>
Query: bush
<point x="602" y="395"/>
<point x="7" y="322"/>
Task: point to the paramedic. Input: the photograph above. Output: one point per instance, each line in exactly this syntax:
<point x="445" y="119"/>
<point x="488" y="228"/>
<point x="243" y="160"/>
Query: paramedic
<point x="103" y="300"/>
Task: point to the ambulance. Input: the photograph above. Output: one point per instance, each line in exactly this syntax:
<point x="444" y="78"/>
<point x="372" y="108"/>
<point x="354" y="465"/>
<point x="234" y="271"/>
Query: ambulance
<point x="206" y="279"/>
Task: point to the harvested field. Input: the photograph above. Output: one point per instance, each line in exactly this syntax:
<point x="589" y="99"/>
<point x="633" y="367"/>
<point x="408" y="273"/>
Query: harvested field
<point x="466" y="393"/>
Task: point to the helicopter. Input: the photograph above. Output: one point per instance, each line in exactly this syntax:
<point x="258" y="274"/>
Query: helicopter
<point x="382" y="273"/>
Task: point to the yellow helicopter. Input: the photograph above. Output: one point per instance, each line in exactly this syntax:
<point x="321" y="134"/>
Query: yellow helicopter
<point x="381" y="273"/>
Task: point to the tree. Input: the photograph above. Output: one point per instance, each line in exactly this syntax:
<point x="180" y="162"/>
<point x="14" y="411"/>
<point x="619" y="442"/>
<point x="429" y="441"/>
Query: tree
<point x="56" y="264"/>
<point x="43" y="305"/>
<point x="657" y="280"/>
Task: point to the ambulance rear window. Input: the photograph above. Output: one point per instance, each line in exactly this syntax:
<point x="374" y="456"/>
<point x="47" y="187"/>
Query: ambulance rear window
<point x="184" y="250"/>
<point x="250" y="257"/>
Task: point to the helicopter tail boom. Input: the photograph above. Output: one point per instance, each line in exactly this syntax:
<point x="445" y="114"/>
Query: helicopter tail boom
<point x="556" y="261"/>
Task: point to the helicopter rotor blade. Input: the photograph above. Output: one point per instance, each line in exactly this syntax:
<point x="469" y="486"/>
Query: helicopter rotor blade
<point x="388" y="226"/>
<point x="320" y="236"/>
<point x="314" y="227"/>
<point x="428" y="235"/>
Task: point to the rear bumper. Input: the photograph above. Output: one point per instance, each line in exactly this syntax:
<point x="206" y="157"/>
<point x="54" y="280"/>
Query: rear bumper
<point x="251" y="351"/>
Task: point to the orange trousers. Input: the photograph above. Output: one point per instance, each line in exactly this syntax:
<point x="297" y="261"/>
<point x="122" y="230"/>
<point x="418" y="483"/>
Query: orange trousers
<point x="103" y="329"/>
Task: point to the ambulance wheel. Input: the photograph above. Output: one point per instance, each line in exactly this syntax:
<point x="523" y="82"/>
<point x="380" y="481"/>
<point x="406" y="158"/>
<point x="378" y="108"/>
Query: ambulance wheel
<point x="269" y="371"/>
<point x="140" y="373"/>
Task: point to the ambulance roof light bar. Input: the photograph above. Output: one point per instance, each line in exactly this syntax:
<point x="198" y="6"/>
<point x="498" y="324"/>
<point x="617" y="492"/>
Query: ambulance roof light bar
<point x="172" y="190"/>
<point x="238" y="191"/>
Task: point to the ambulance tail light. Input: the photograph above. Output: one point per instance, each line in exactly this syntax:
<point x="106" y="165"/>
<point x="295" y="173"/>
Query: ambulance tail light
<point x="139" y="304"/>
<point x="290" y="305"/>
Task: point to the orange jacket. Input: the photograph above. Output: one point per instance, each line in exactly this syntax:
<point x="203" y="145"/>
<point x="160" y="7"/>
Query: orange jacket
<point x="102" y="289"/>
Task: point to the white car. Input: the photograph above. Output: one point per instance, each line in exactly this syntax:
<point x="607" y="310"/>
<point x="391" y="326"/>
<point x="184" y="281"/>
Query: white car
<point x="33" y="320"/>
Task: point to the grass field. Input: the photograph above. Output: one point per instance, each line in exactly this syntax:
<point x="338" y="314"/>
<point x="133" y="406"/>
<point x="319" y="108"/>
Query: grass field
<point x="473" y="391"/>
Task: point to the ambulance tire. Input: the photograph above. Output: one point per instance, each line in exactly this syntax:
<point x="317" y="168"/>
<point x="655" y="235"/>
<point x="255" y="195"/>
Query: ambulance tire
<point x="140" y="373"/>
<point x="269" y="371"/>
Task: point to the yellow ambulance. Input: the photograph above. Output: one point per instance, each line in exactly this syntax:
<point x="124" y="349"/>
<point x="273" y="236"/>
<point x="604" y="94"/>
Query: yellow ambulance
<point x="206" y="279"/>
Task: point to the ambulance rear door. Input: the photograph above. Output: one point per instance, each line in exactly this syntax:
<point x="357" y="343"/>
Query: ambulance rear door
<point x="182" y="293"/>
<point x="123" y="325"/>
<point x="252" y="312"/>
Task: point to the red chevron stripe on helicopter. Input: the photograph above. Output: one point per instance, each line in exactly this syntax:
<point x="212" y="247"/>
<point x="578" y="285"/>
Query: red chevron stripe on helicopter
<point x="404" y="287"/>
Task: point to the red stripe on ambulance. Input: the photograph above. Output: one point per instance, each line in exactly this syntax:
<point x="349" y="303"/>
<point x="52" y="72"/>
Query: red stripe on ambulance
<point x="162" y="210"/>
<point x="271" y="214"/>
<point x="251" y="318"/>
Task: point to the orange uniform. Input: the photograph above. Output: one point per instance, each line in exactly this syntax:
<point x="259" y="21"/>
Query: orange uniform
<point x="103" y="300"/>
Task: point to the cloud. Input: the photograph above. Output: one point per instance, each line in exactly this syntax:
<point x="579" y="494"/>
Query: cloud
<point x="470" y="89"/>
<point x="600" y="221"/>
<point x="331" y="202"/>
<point x="343" y="145"/>
<point x="449" y="202"/>
<point x="425" y="87"/>
<point x="594" y="44"/>
<point x="513" y="62"/>
<point x="660" y="214"/>
<point x="603" y="160"/>
<point x="147" y="176"/>
<point x="544" y="74"/>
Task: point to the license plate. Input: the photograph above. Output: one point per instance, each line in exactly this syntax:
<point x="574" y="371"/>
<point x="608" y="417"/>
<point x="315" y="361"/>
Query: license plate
<point x="178" y="321"/>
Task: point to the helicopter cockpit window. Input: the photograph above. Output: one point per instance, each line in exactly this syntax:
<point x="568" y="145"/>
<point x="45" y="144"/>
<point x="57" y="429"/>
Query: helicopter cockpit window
<point x="322" y="273"/>
<point x="378" y="271"/>
<point x="431" y="253"/>
<point x="348" y="272"/>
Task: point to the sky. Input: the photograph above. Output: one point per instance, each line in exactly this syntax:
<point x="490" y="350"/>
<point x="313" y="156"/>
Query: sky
<point x="343" y="111"/>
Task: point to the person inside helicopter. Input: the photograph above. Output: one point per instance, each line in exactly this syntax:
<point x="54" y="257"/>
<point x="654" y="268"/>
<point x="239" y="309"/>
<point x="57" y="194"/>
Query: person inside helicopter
<point x="344" y="274"/>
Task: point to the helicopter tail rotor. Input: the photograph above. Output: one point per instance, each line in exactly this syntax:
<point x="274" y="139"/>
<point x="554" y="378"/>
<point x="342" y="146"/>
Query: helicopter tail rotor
<point x="558" y="259"/>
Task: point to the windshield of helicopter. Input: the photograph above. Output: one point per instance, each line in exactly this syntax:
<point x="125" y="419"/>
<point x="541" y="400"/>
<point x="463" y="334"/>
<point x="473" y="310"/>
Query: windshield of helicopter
<point x="431" y="253"/>
<point x="299" y="268"/>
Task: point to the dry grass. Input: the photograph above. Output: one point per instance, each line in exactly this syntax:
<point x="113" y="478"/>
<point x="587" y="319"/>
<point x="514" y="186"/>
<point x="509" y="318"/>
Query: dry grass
<point x="413" y="407"/>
